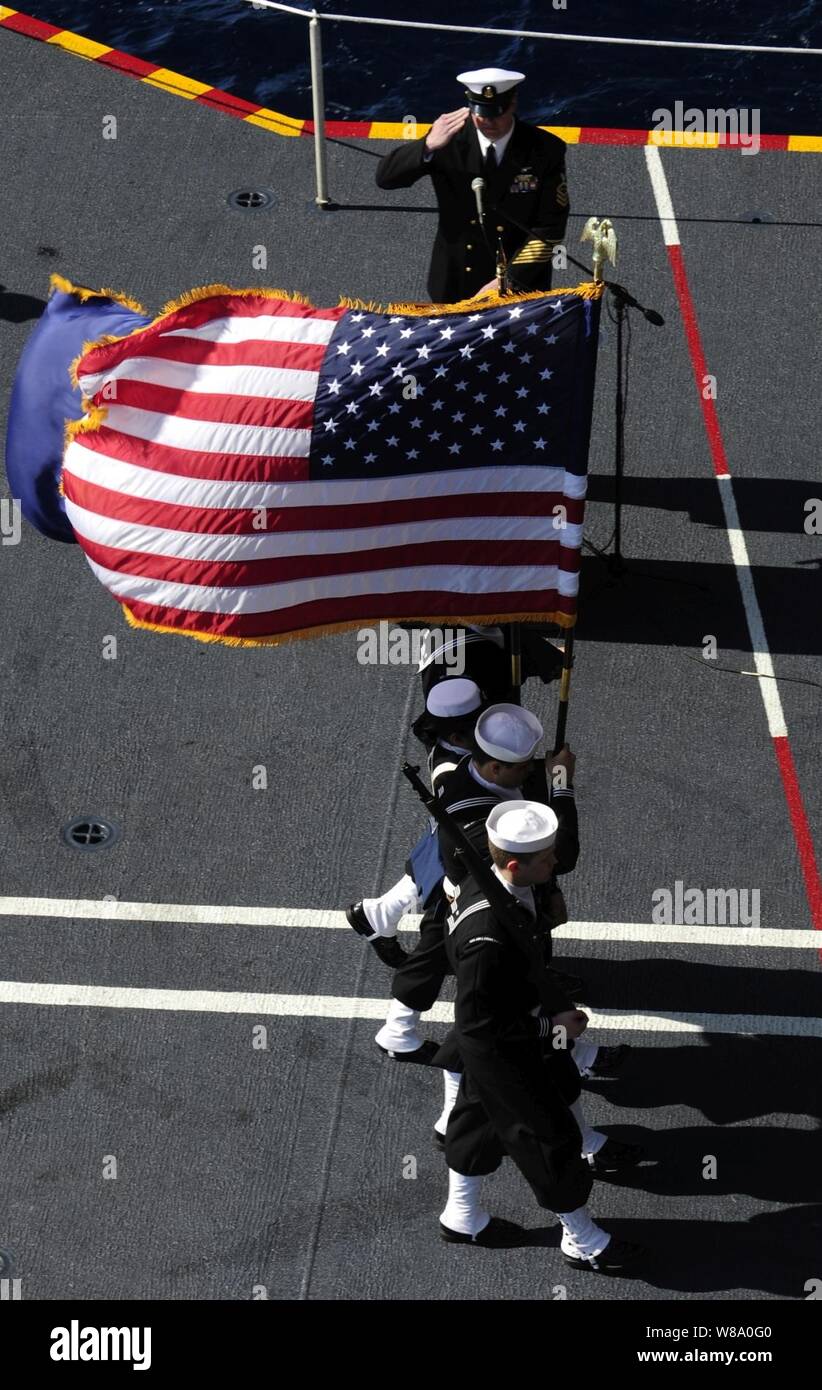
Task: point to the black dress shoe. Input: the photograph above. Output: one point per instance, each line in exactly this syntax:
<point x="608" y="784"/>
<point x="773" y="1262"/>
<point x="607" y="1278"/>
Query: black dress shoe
<point x="608" y="1060"/>
<point x="387" y="948"/>
<point x="439" y="1141"/>
<point x="389" y="951"/>
<point x="356" y="918"/>
<point x="497" y="1235"/>
<point x="422" y="1054"/>
<point x="614" y="1155"/>
<point x="617" y="1256"/>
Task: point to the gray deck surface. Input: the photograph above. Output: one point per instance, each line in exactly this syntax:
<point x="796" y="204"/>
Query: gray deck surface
<point x="284" y="1167"/>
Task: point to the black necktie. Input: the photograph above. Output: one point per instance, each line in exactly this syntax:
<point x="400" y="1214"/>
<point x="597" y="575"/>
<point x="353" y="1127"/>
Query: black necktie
<point x="490" y="160"/>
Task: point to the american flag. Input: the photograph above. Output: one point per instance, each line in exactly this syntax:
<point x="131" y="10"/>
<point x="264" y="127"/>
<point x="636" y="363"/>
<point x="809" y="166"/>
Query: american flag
<point x="252" y="467"/>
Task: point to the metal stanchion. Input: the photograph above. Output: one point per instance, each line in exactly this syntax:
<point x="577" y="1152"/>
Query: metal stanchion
<point x="318" y="102"/>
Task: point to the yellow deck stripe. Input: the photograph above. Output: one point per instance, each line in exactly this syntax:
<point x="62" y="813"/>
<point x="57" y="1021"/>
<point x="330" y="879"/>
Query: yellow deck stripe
<point x="176" y="83"/>
<point x="398" y="130"/>
<point x="811" y="143"/>
<point x="684" y="139"/>
<point x="276" y="121"/>
<point x="568" y="133"/>
<point x="76" y="43"/>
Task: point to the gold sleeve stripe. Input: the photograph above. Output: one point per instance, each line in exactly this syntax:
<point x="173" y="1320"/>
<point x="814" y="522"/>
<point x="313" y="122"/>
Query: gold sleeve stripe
<point x="534" y="251"/>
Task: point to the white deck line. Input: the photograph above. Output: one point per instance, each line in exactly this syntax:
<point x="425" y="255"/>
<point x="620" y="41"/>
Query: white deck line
<point x="337" y="1006"/>
<point x="230" y="915"/>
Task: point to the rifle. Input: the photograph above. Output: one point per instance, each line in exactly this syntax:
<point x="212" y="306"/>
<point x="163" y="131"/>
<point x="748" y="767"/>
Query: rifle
<point x="511" y="912"/>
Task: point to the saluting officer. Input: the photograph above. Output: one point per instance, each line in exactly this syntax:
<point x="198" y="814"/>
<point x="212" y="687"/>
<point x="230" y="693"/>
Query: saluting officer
<point x="524" y="172"/>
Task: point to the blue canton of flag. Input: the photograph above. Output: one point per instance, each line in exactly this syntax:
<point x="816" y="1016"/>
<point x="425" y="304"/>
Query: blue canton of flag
<point x="410" y="394"/>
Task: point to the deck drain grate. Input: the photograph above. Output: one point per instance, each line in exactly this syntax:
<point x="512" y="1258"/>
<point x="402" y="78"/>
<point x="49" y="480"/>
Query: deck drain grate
<point x="251" y="199"/>
<point x="90" y="832"/>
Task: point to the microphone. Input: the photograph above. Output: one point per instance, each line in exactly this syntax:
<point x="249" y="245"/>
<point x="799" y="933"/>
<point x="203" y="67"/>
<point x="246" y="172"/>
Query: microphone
<point x="478" y="190"/>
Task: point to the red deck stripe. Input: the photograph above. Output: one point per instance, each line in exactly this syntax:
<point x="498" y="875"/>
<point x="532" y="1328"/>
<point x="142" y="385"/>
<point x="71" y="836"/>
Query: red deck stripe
<point x="126" y="62"/>
<point x="227" y="103"/>
<point x="603" y="135"/>
<point x="32" y="28"/>
<point x="787" y="768"/>
<point x="686" y="305"/>
<point x="801" y="829"/>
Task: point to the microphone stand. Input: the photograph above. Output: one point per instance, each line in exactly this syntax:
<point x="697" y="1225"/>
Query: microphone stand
<point x="623" y="300"/>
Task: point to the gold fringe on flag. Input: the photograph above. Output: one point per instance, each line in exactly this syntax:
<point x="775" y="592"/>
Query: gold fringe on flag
<point x="83" y="293"/>
<point x="280" y="639"/>
<point x="588" y="290"/>
<point x="213" y="291"/>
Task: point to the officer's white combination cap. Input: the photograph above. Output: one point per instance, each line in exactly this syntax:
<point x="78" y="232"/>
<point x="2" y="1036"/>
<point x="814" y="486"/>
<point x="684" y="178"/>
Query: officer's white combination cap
<point x="499" y="78"/>
<point x="522" y="827"/>
<point x="452" y="698"/>
<point x="508" y="733"/>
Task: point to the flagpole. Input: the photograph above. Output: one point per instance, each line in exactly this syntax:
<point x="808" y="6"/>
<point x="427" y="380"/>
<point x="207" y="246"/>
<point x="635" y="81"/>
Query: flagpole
<point x="564" y="691"/>
<point x="514" y="652"/>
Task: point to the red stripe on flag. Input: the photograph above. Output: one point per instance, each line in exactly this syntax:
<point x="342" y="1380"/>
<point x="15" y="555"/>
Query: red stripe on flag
<point x="195" y="463"/>
<point x="255" y="352"/>
<point x="235" y="521"/>
<point x="228" y="574"/>
<point x="196" y="315"/>
<point x="264" y="411"/>
<point x="325" y="612"/>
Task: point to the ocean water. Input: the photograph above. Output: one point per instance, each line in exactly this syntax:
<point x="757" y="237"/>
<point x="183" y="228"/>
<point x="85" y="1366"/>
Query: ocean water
<point x="389" y="73"/>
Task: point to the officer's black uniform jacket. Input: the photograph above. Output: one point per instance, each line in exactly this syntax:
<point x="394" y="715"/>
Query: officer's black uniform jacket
<point x="470" y="804"/>
<point x="529" y="184"/>
<point x="517" y="1086"/>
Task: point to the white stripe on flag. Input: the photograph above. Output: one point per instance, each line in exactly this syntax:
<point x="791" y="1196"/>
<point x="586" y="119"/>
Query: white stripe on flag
<point x="268" y="598"/>
<point x="208" y="436"/>
<point x="230" y="379"/>
<point x="269" y="328"/>
<point x="95" y="466"/>
<point x="193" y="545"/>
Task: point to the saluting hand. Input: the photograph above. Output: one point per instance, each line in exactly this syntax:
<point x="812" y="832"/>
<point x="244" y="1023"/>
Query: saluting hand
<point x="444" y="128"/>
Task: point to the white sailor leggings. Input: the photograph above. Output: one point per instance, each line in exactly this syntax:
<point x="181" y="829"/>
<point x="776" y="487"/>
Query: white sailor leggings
<point x="483" y="1129"/>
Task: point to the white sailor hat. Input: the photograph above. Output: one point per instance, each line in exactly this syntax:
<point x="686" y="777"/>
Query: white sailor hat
<point x="522" y="827"/>
<point x="453" y="698"/>
<point x="508" y="733"/>
<point x="488" y="90"/>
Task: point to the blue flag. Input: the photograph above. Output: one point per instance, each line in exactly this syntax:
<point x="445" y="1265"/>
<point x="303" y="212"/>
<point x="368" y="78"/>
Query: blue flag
<point x="43" y="397"/>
